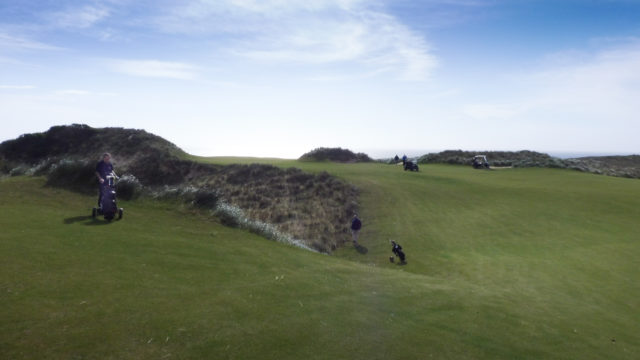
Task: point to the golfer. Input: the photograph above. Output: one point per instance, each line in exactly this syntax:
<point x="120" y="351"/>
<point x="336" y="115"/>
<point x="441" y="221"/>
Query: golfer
<point x="356" y="225"/>
<point x="103" y="169"/>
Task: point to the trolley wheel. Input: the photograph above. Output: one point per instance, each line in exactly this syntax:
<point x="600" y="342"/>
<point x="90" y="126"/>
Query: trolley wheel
<point x="120" y="213"/>
<point x="94" y="212"/>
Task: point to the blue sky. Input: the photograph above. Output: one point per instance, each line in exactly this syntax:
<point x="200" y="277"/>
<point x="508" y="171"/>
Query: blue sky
<point x="277" y="78"/>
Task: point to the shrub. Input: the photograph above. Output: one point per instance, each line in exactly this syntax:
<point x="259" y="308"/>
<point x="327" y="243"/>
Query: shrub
<point x="75" y="175"/>
<point x="522" y="158"/>
<point x="128" y="187"/>
<point x="5" y="166"/>
<point x="230" y="215"/>
<point x="18" y="170"/>
<point x="335" y="154"/>
<point x="205" y="198"/>
<point x="185" y="193"/>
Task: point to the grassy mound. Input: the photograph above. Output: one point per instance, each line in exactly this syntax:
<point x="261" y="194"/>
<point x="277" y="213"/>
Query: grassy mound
<point x="82" y="141"/>
<point x="314" y="209"/>
<point x="522" y="158"/>
<point x="335" y="154"/>
<point x="621" y="166"/>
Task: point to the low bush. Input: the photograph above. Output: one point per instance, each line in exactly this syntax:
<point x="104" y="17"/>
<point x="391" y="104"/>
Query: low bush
<point x="5" y="166"/>
<point x="335" y="154"/>
<point x="19" y="170"/>
<point x="496" y="158"/>
<point x="128" y="187"/>
<point x="206" y="198"/>
<point x="73" y="174"/>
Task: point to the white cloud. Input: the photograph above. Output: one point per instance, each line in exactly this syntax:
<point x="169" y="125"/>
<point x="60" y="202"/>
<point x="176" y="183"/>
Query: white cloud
<point x="590" y="102"/>
<point x="13" y="42"/>
<point x="80" y="18"/>
<point x="155" y="69"/>
<point x="605" y="86"/>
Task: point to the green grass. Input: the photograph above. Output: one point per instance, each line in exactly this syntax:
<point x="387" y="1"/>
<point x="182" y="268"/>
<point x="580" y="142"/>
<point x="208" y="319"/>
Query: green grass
<point x="510" y="264"/>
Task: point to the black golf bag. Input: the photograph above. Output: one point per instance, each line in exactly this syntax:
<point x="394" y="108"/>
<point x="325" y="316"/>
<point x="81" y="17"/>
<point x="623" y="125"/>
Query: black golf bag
<point x="397" y="249"/>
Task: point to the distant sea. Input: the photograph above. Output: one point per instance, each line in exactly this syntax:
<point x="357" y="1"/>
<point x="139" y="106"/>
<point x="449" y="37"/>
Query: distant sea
<point x="571" y="155"/>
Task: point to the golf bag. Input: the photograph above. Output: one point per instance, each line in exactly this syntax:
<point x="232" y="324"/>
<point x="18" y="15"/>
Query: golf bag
<point x="108" y="206"/>
<point x="397" y="249"/>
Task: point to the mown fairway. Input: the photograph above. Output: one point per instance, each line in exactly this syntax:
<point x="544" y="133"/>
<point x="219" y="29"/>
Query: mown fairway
<point x="510" y="264"/>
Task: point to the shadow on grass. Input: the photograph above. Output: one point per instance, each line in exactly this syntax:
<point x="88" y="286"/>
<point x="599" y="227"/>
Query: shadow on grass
<point x="399" y="263"/>
<point x="75" y="219"/>
<point x="361" y="249"/>
<point x="86" y="220"/>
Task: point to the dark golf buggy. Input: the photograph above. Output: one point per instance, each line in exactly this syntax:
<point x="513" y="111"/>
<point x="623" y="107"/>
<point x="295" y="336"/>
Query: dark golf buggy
<point x="108" y="206"/>
<point x="411" y="166"/>
<point x="480" y="162"/>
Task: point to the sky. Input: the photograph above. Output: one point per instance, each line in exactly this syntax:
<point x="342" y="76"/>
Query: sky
<point x="278" y="78"/>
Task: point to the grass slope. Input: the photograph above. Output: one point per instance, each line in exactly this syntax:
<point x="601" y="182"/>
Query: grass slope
<point x="521" y="263"/>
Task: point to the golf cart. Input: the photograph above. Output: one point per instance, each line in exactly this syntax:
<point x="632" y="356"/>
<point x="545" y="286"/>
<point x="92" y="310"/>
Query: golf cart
<point x="411" y="165"/>
<point x="108" y="207"/>
<point x="480" y="162"/>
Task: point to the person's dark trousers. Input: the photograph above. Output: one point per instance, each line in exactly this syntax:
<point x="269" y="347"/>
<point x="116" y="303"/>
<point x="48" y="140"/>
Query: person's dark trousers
<point x="101" y="187"/>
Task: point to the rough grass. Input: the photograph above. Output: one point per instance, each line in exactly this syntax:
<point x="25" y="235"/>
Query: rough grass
<point x="335" y="154"/>
<point x="512" y="264"/>
<point x="82" y="141"/>
<point x="311" y="208"/>
<point x="522" y="158"/>
<point x="621" y="166"/>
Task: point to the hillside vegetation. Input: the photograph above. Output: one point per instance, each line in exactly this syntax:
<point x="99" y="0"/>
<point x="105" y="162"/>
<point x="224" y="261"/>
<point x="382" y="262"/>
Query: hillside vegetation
<point x="523" y="158"/>
<point x="312" y="209"/>
<point x="84" y="142"/>
<point x="621" y="166"/>
<point x="335" y="154"/>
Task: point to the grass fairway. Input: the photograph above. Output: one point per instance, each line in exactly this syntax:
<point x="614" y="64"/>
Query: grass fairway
<point x="511" y="264"/>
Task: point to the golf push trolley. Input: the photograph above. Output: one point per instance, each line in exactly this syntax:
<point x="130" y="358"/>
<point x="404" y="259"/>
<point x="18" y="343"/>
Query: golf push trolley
<point x="108" y="206"/>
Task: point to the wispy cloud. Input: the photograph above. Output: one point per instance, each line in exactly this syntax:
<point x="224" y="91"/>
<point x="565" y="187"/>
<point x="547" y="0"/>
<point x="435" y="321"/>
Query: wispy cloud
<point x="13" y="42"/>
<point x="594" y="89"/>
<point x="79" y="18"/>
<point x="310" y="32"/>
<point x="155" y="69"/>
